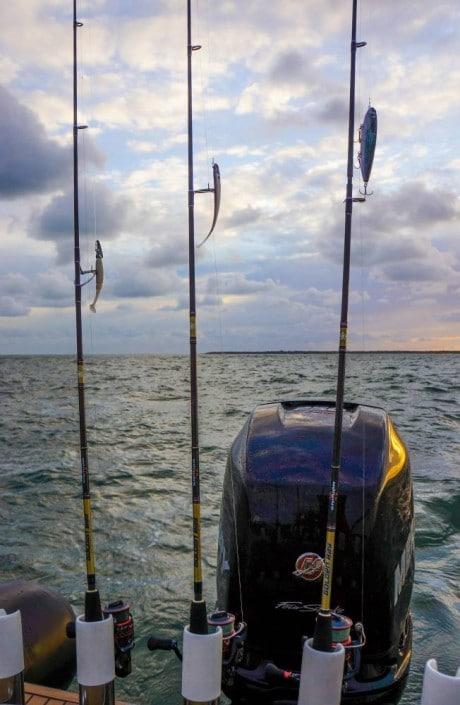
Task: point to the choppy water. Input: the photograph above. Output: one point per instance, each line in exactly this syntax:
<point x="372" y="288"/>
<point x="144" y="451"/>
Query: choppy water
<point x="139" y="435"/>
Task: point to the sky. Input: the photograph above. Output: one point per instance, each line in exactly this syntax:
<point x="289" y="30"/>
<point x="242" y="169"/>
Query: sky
<point x="271" y="108"/>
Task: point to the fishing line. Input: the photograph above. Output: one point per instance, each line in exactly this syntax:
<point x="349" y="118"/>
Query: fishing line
<point x="238" y="564"/>
<point x="221" y="347"/>
<point x="362" y="24"/>
<point x="209" y="109"/>
<point x="359" y="64"/>
<point x="202" y="109"/>
<point x="363" y="437"/>
<point x="91" y="205"/>
<point x="93" y="611"/>
<point x="219" y="297"/>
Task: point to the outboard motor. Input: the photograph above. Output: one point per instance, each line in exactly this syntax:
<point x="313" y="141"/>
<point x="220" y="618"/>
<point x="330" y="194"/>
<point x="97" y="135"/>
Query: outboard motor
<point x="272" y="537"/>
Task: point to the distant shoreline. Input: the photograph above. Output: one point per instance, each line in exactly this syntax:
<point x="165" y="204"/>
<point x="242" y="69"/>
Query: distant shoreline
<point x="333" y="352"/>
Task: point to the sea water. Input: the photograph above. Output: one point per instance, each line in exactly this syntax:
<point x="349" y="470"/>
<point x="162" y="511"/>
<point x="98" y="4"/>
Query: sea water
<point x="139" y="435"/>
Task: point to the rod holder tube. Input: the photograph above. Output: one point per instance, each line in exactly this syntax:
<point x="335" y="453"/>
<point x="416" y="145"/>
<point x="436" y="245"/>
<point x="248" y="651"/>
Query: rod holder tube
<point x="95" y="661"/>
<point x="11" y="658"/>
<point x="202" y="666"/>
<point x="321" y="675"/>
<point x="440" y="688"/>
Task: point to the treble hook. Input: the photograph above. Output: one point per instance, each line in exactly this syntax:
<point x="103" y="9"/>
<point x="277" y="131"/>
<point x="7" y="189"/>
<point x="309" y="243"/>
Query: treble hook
<point x="365" y="192"/>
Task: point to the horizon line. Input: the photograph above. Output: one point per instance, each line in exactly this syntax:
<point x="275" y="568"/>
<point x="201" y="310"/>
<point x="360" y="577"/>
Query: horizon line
<point x="239" y="352"/>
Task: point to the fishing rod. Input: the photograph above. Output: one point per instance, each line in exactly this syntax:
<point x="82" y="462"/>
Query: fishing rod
<point x="202" y="646"/>
<point x="202" y="649"/>
<point x="104" y="637"/>
<point x="93" y="610"/>
<point x="322" y="640"/>
<point x="198" y="618"/>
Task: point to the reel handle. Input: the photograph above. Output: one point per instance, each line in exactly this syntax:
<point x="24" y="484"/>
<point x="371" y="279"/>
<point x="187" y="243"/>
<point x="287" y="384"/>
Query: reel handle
<point x="156" y="644"/>
<point x="273" y="674"/>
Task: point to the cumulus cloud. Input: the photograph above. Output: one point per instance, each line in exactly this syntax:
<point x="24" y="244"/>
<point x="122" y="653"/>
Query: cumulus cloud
<point x="10" y="307"/>
<point x="239" y="284"/>
<point x="19" y="294"/>
<point x="291" y="67"/>
<point x="137" y="282"/>
<point x="14" y="283"/>
<point x="395" y="225"/>
<point x="111" y="215"/>
<point x="271" y="100"/>
<point x="30" y="162"/>
<point x="171" y="250"/>
<point x="243" y="216"/>
<point x="334" y="110"/>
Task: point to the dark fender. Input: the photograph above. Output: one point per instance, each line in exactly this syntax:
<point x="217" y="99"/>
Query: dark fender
<point x="49" y="654"/>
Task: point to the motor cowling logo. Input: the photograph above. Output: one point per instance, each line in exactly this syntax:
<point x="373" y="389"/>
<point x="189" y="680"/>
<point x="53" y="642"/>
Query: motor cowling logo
<point x="309" y="566"/>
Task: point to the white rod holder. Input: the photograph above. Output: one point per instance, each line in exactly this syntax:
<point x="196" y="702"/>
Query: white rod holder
<point x="321" y="675"/>
<point x="95" y="661"/>
<point x="439" y="688"/>
<point x="202" y="666"/>
<point x="11" y="658"/>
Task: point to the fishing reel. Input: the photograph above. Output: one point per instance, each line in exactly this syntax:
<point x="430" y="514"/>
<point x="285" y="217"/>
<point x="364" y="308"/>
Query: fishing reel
<point x="232" y="643"/>
<point x="123" y="626"/>
<point x="351" y="636"/>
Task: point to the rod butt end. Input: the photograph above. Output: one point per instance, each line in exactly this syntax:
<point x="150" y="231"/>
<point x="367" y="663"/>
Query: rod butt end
<point x="93" y="610"/>
<point x="198" y="617"/>
<point x="322" y="639"/>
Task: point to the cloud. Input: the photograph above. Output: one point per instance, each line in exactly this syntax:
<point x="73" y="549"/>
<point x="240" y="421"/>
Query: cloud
<point x="395" y="226"/>
<point x="243" y="216"/>
<point x="238" y="284"/>
<point x="105" y="221"/>
<point x="290" y="67"/>
<point x="270" y="89"/>
<point x="136" y="282"/>
<point x="14" y="283"/>
<point x="53" y="289"/>
<point x="171" y="251"/>
<point x="30" y="162"/>
<point x="10" y="307"/>
<point x="334" y="110"/>
<point x="19" y="294"/>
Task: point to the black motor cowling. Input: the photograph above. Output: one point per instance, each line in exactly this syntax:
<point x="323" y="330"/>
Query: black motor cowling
<point x="274" y="509"/>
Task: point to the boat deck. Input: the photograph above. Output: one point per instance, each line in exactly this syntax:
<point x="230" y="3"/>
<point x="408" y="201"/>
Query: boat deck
<point x="41" y="695"/>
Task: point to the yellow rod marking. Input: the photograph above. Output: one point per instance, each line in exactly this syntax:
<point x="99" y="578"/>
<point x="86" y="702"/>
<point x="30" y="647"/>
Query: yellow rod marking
<point x="90" y="564"/>
<point x="197" y="571"/>
<point x="193" y="326"/>
<point x="328" y="565"/>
